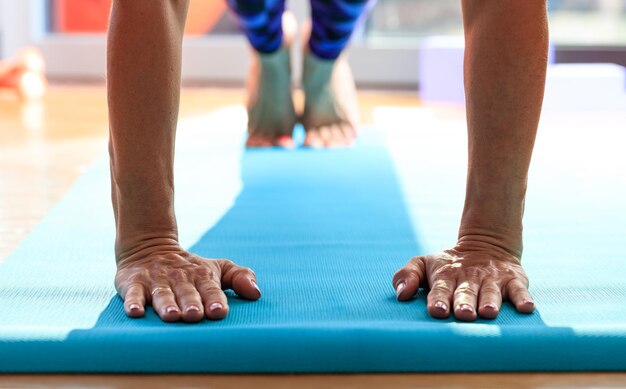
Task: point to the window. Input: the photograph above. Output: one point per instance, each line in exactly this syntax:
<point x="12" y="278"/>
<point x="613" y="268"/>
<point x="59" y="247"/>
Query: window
<point x="572" y="22"/>
<point x="71" y="35"/>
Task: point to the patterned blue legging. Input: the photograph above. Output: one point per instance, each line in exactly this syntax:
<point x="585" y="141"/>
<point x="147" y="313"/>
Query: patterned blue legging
<point x="333" y="23"/>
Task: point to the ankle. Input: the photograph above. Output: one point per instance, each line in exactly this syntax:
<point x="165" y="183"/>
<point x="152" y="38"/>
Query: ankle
<point x="316" y="72"/>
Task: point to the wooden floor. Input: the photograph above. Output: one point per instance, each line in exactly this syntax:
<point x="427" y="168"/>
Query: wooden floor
<point x="44" y="147"/>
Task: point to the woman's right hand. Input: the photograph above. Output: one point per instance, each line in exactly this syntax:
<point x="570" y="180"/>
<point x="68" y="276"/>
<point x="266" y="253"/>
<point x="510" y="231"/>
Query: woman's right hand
<point x="180" y="285"/>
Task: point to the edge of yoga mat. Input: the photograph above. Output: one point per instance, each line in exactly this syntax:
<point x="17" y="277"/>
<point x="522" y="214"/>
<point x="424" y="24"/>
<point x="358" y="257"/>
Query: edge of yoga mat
<point x="104" y="340"/>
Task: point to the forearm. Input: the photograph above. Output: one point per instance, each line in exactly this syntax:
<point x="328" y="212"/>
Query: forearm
<point x="143" y="84"/>
<point x="505" y="68"/>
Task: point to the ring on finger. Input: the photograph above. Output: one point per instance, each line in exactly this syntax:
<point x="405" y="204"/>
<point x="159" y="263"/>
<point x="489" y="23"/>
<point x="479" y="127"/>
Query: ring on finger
<point x="160" y="288"/>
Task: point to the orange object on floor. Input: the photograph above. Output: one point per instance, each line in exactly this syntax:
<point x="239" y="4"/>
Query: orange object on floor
<point x="91" y="16"/>
<point x="24" y="73"/>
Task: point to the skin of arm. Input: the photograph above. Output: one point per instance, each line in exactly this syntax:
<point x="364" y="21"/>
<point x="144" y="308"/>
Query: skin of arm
<point x="144" y="50"/>
<point x="505" y="69"/>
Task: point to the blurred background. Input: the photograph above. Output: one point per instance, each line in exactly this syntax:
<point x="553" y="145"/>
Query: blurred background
<point x="70" y="33"/>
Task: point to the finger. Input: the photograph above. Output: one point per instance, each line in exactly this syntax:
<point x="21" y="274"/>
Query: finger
<point x="439" y="299"/>
<point x="135" y="300"/>
<point x="189" y="301"/>
<point x="164" y="303"/>
<point x="465" y="300"/>
<point x="489" y="299"/>
<point x="517" y="292"/>
<point x="406" y="281"/>
<point x="240" y="279"/>
<point x="215" y="302"/>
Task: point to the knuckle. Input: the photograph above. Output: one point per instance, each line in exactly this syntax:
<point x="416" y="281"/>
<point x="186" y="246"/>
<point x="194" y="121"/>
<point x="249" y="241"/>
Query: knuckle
<point x="161" y="293"/>
<point x="415" y="260"/>
<point x="242" y="269"/>
<point x="203" y="272"/>
<point x="442" y="287"/>
<point x="155" y="269"/>
<point x="137" y="277"/>
<point x="446" y="269"/>
<point x="474" y="272"/>
<point x="491" y="289"/>
<point x="523" y="279"/>
<point x="241" y="272"/>
<point x="509" y="273"/>
<point x="221" y="266"/>
<point x="516" y="289"/>
<point x="414" y="268"/>
<point x="177" y="275"/>
<point x="210" y="290"/>
<point x="466" y="289"/>
<point x="124" y="281"/>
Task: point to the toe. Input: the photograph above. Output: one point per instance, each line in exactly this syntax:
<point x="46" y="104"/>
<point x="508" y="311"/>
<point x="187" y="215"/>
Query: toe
<point x="349" y="133"/>
<point x="256" y="140"/>
<point x="285" y="141"/>
<point x="338" y="138"/>
<point x="313" y="139"/>
<point x="326" y="135"/>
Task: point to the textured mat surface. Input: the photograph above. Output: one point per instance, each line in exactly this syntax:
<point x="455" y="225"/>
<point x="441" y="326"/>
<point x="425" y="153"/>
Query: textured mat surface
<point x="324" y="231"/>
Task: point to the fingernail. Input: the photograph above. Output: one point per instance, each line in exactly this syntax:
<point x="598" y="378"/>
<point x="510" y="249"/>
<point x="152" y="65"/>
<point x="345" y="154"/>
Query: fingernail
<point x="441" y="305"/>
<point x="192" y="308"/>
<point x="400" y="288"/>
<point x="215" y="306"/>
<point x="255" y="285"/>
<point x="466" y="307"/>
<point x="172" y="309"/>
<point x="528" y="302"/>
<point x="134" y="307"/>
<point x="490" y="306"/>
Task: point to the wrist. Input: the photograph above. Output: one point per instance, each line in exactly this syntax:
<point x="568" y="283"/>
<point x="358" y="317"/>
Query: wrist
<point x="142" y="245"/>
<point x="143" y="219"/>
<point x="481" y="231"/>
<point x="494" y="204"/>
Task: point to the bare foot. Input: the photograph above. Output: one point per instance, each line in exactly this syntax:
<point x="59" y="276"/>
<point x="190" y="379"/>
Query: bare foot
<point x="330" y="103"/>
<point x="271" y="113"/>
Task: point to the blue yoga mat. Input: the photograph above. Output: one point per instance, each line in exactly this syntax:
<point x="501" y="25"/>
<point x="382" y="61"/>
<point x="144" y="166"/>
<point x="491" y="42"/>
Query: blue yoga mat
<point x="324" y="231"/>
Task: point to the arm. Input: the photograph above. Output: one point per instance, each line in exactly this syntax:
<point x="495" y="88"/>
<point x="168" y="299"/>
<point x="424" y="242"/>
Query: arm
<point x="143" y="82"/>
<point x="505" y="69"/>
